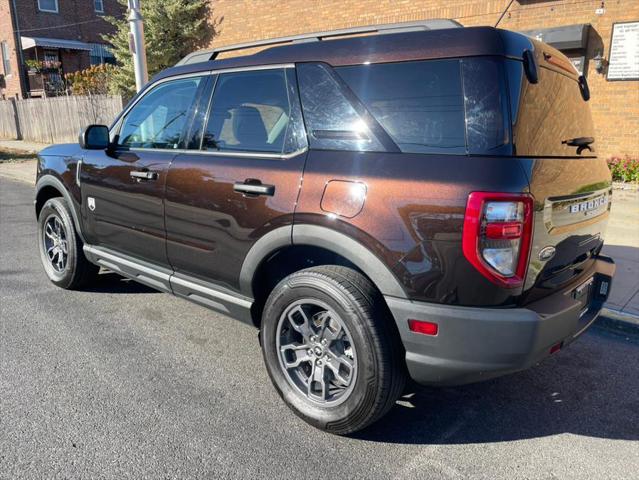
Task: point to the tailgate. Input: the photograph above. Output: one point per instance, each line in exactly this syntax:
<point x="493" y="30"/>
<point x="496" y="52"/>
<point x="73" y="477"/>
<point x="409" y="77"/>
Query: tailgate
<point x="555" y="140"/>
<point x="572" y="205"/>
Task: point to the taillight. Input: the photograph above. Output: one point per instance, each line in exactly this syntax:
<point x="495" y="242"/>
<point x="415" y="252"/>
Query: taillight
<point x="497" y="235"/>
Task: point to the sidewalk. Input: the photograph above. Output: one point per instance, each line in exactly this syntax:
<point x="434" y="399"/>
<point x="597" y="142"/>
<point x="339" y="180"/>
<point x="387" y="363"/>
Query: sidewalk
<point x="621" y="242"/>
<point x="17" y="159"/>
<point x="32" y="147"/>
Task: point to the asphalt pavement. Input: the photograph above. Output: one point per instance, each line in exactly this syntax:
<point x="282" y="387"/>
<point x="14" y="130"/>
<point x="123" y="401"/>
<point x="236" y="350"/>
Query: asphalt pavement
<point x="123" y="382"/>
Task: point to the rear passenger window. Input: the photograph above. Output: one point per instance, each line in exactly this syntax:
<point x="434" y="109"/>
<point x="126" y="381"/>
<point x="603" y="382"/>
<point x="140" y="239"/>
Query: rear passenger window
<point x="419" y="104"/>
<point x="250" y="112"/>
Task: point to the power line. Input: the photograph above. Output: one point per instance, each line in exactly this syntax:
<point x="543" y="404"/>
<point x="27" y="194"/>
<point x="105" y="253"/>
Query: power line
<point x="504" y="12"/>
<point x="60" y="26"/>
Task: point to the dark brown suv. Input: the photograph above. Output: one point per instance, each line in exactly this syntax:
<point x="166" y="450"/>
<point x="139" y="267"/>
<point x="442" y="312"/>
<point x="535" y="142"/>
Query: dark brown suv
<point x="406" y="201"/>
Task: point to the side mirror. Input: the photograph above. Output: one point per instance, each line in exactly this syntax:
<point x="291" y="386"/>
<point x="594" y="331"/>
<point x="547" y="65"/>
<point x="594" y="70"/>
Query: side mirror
<point x="94" y="137"/>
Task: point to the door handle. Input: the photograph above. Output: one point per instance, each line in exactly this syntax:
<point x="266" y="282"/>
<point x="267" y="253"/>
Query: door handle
<point x="254" y="188"/>
<point x="143" y="175"/>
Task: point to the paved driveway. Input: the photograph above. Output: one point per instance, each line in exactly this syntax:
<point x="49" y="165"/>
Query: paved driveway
<point x="123" y="382"/>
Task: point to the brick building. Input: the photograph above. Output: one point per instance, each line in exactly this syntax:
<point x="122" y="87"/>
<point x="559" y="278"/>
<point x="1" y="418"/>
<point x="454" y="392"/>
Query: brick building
<point x="581" y="28"/>
<point x="62" y="36"/>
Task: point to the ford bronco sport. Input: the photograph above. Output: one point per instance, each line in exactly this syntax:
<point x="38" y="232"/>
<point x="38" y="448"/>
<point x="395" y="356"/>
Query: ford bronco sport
<point x="381" y="203"/>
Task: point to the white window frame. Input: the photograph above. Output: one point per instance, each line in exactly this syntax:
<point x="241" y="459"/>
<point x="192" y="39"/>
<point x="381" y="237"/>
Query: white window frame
<point x="57" y="7"/>
<point x="95" y="6"/>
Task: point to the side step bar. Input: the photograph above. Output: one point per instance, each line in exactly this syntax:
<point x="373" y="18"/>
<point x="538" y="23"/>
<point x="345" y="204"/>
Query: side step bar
<point x="163" y="279"/>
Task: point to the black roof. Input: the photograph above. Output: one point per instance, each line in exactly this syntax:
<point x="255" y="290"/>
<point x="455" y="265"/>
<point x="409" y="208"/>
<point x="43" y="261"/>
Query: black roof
<point x="392" y="47"/>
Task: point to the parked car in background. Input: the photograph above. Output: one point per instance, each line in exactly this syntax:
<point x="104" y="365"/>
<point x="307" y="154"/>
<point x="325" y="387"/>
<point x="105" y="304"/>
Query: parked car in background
<point x="425" y="203"/>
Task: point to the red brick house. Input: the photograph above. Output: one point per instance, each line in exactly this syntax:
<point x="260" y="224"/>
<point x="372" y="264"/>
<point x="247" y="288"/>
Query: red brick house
<point x="42" y="40"/>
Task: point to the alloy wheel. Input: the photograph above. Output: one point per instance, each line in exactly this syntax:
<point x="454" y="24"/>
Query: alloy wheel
<point x="55" y="242"/>
<point x="316" y="352"/>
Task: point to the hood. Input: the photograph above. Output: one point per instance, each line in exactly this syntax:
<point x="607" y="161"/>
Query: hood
<point x="60" y="150"/>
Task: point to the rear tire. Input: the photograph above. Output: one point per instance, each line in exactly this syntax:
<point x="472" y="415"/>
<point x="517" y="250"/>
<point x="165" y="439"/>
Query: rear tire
<point x="331" y="349"/>
<point x="61" y="248"/>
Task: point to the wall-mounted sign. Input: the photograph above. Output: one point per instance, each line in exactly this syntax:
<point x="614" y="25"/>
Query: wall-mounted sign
<point x="623" y="59"/>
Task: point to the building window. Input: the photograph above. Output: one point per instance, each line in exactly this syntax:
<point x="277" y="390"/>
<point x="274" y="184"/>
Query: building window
<point x="6" y="59"/>
<point x="101" y="54"/>
<point x="98" y="5"/>
<point x="48" y="6"/>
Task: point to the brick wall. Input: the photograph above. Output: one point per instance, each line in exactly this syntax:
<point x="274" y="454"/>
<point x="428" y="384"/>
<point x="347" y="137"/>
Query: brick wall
<point x="615" y="105"/>
<point x="75" y="20"/>
<point x="10" y="84"/>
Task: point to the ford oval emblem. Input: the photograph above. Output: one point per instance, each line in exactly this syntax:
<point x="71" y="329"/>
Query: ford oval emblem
<point x="546" y="253"/>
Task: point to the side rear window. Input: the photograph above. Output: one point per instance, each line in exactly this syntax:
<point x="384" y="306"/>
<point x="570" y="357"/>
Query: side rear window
<point x="486" y="106"/>
<point x="436" y="106"/>
<point x="419" y="104"/>
<point x="252" y="112"/>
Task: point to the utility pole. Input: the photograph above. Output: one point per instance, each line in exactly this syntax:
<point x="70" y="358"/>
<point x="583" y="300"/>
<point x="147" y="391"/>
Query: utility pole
<point x="136" y="44"/>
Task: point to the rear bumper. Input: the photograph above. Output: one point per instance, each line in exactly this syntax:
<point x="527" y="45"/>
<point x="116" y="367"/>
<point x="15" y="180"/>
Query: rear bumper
<point x="474" y="343"/>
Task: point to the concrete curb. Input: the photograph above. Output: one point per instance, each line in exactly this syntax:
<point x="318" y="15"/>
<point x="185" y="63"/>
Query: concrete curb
<point x="617" y="321"/>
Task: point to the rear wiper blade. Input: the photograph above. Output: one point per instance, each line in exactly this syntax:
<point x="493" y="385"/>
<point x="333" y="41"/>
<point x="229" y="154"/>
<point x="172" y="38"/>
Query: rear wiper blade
<point x="580" y="142"/>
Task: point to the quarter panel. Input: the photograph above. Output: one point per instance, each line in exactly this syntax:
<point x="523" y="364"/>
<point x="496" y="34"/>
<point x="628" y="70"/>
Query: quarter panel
<point x="413" y="215"/>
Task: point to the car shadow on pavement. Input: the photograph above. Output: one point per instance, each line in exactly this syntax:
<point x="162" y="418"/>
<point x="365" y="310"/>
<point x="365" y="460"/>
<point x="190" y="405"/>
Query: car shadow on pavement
<point x="586" y="389"/>
<point x="109" y="282"/>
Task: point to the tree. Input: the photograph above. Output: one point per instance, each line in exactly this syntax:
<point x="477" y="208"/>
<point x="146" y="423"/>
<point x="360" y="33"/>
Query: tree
<point x="91" y="81"/>
<point x="172" y="29"/>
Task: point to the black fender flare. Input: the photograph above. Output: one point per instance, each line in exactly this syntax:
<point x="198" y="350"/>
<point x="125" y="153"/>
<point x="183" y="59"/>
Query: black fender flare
<point x="52" y="181"/>
<point x="318" y="236"/>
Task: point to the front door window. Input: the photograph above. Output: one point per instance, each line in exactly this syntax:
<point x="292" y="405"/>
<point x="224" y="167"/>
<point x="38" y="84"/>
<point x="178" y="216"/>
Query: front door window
<point x="158" y="119"/>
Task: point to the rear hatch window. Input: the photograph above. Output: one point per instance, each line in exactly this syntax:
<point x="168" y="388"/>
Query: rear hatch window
<point x="550" y="116"/>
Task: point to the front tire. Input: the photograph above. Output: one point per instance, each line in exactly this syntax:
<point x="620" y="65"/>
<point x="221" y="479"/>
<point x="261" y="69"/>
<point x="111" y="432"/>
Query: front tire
<point x="61" y="248"/>
<point x="330" y="349"/>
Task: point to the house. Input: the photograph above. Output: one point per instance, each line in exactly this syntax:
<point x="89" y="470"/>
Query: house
<point x="42" y="40"/>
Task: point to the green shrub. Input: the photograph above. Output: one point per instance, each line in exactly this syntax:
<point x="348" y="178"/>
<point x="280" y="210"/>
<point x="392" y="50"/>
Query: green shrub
<point x="624" y="169"/>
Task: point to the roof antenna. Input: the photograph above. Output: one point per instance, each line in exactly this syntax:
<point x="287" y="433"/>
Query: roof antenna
<point x="504" y="12"/>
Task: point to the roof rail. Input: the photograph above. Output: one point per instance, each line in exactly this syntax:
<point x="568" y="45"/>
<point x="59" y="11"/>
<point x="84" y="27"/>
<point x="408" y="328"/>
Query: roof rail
<point x="211" y="54"/>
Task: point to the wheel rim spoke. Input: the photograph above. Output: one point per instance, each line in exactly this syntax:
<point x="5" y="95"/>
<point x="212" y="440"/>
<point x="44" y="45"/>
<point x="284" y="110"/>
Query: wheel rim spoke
<point x="317" y="383"/>
<point x="342" y="368"/>
<point x="49" y="232"/>
<point x="300" y="322"/>
<point x="332" y="329"/>
<point x="299" y="353"/>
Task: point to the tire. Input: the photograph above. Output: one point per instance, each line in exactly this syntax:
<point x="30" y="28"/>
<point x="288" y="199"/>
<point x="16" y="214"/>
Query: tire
<point x="361" y="371"/>
<point x="56" y="233"/>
